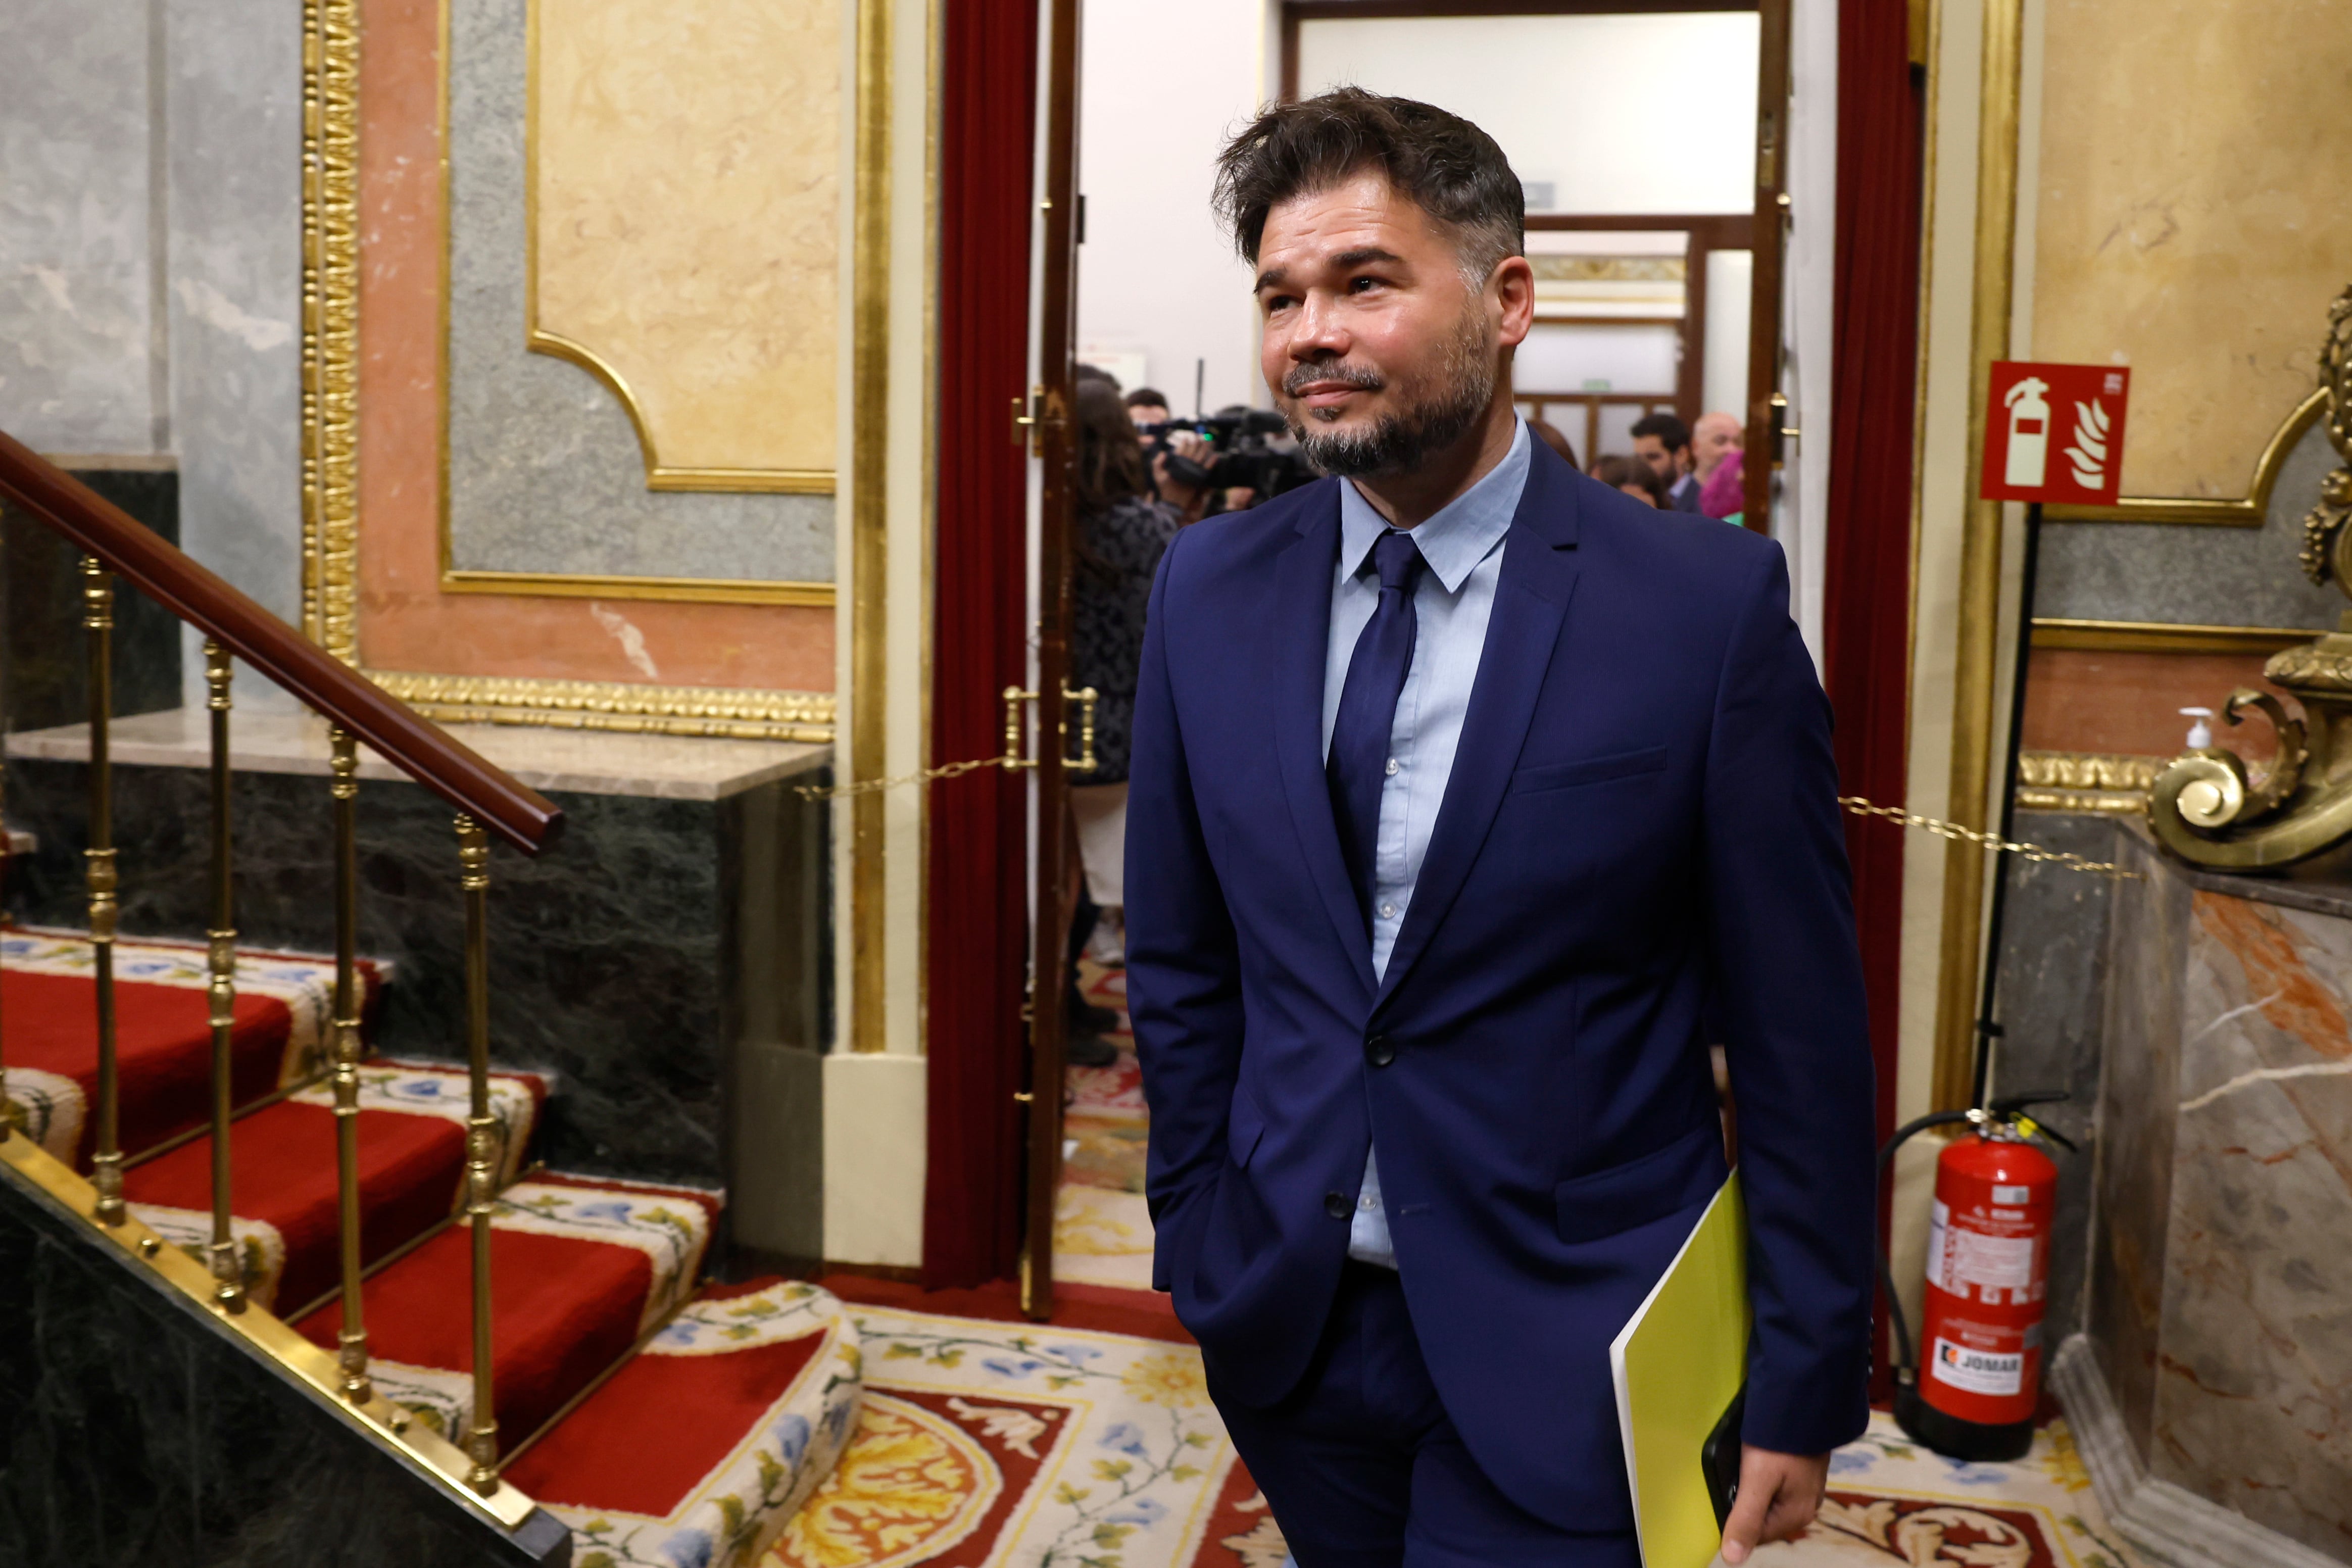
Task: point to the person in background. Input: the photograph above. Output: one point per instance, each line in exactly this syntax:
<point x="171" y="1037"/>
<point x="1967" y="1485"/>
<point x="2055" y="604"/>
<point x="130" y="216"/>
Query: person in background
<point x="1713" y="438"/>
<point x="1663" y="442"/>
<point x="1552" y="435"/>
<point x="1122" y="529"/>
<point x="1148" y="406"/>
<point x="1635" y="478"/>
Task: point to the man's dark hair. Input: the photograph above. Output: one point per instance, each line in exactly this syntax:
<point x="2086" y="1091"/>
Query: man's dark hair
<point x="1094" y="373"/>
<point x="1670" y="432"/>
<point x="1147" y="397"/>
<point x="1441" y="163"/>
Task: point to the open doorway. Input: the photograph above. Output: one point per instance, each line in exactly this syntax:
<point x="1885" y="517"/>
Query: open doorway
<point x="1646" y="135"/>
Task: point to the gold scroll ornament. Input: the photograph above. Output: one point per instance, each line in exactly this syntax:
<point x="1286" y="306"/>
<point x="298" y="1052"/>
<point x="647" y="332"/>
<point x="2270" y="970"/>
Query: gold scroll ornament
<point x="2207" y="807"/>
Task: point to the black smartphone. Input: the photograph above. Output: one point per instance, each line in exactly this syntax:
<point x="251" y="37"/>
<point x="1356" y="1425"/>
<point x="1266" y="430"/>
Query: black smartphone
<point x="1719" y="1458"/>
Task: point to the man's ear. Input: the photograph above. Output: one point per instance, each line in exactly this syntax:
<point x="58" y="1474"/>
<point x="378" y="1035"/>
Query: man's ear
<point x="1513" y="286"/>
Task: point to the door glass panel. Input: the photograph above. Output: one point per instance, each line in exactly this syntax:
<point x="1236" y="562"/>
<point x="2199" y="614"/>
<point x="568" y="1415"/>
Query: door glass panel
<point x="1637" y="357"/>
<point x="1619" y="114"/>
<point x="1730" y="274"/>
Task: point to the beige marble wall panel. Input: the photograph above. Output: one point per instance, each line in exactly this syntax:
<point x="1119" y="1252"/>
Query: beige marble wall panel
<point x="687" y="217"/>
<point x="2191" y="218"/>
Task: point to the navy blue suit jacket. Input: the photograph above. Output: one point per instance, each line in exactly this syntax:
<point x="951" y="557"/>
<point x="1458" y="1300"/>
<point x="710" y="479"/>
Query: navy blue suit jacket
<point x="1642" y="811"/>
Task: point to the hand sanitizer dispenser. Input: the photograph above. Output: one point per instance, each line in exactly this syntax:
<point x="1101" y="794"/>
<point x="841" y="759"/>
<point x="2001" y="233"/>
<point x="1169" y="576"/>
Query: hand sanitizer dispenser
<point x="2201" y="733"/>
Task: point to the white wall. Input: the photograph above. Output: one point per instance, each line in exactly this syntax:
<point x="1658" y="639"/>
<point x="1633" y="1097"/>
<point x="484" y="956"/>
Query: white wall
<point x="1159" y="90"/>
<point x="1651" y="113"/>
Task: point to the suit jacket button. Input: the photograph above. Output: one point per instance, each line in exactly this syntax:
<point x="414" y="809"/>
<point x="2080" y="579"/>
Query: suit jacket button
<point x="1336" y="1205"/>
<point x="1379" y="1050"/>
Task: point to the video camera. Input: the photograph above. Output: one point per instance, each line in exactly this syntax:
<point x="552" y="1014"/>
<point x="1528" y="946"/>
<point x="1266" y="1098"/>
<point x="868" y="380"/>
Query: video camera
<point x="1241" y="453"/>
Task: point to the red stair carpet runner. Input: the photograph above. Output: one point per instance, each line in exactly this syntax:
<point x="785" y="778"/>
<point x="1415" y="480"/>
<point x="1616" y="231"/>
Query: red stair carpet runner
<point x="667" y="1425"/>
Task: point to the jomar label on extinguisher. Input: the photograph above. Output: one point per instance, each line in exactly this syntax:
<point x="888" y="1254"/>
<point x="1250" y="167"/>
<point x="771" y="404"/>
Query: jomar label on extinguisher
<point x="1978" y="1372"/>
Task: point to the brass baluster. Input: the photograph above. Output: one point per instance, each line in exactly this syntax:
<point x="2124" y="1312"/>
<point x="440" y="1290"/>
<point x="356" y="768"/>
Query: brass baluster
<point x="483" y="1139"/>
<point x="228" y="1269"/>
<point x="98" y="620"/>
<point x="353" y="1341"/>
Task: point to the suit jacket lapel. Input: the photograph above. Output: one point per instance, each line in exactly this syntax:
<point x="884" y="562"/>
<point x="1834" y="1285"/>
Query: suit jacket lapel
<point x="1537" y="577"/>
<point x="1299" y="624"/>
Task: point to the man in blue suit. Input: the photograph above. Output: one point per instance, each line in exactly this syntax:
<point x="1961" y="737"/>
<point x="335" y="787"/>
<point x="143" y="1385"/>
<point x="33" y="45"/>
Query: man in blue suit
<point x="1462" y="787"/>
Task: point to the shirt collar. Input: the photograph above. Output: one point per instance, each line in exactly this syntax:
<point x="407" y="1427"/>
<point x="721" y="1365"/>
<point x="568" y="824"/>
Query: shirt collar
<point x="1459" y="534"/>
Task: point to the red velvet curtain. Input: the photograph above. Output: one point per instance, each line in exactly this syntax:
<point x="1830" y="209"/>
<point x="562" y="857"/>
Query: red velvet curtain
<point x="978" y="912"/>
<point x="1866" y="620"/>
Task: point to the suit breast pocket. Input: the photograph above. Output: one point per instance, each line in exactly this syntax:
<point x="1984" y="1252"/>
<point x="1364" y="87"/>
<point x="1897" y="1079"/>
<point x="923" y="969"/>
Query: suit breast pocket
<point x="1589" y="771"/>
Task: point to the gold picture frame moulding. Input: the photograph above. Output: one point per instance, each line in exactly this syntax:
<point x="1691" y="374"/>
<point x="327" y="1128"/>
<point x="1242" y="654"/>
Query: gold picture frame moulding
<point x="331" y="64"/>
<point x="2246" y="512"/>
<point x="2168" y="637"/>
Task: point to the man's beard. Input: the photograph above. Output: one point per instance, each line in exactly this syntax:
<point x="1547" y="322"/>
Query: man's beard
<point x="1401" y="440"/>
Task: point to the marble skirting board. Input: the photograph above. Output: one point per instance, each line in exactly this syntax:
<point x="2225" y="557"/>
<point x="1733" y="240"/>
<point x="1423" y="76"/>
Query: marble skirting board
<point x="664" y="949"/>
<point x="138" y="1435"/>
<point x="2220" y="1294"/>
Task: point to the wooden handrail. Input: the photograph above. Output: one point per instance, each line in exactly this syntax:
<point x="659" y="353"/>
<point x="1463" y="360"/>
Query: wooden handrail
<point x="198" y="596"/>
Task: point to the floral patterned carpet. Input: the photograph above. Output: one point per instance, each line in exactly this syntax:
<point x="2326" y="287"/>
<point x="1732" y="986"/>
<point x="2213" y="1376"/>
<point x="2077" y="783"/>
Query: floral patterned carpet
<point x="983" y="1444"/>
<point x="986" y="1444"/>
<point x="1102" y="1230"/>
<point x="1894" y="1503"/>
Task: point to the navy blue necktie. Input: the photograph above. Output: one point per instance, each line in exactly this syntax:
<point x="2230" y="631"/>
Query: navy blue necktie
<point x="1359" y="735"/>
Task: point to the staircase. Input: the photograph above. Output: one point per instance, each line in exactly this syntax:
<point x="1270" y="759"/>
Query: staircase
<point x="375" y="1232"/>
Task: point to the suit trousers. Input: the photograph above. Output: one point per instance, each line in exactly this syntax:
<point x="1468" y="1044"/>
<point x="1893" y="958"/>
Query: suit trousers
<point x="1362" y="1468"/>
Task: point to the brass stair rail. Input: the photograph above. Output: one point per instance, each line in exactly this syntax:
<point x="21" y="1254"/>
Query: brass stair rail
<point x="422" y="749"/>
<point x="483" y="1138"/>
<point x="220" y="964"/>
<point x="351" y="1341"/>
<point x="488" y="801"/>
<point x="98" y="620"/>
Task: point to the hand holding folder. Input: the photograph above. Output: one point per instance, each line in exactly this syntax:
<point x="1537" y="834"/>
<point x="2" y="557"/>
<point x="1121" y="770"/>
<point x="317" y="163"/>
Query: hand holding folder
<point x="1680" y="1364"/>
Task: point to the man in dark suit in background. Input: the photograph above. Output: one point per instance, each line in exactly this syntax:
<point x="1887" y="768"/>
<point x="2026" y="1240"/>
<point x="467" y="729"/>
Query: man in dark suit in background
<point x="1663" y="442"/>
<point x="1458" y="781"/>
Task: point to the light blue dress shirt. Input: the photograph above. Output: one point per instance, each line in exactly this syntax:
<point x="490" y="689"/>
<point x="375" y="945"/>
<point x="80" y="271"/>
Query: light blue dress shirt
<point x="1463" y="545"/>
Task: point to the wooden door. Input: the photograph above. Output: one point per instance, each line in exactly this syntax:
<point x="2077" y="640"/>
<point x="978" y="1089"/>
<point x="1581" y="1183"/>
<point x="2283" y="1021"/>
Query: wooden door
<point x="1052" y="851"/>
<point x="1767" y="413"/>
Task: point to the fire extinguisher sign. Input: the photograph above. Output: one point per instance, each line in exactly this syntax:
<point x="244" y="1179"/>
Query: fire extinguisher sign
<point x="2055" y="432"/>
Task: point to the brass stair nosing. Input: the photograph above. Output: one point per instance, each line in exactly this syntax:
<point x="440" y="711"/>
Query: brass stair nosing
<point x="57" y="1186"/>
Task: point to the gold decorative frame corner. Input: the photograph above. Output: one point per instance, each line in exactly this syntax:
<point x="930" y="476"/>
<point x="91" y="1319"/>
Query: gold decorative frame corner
<point x="2246" y="512"/>
<point x="330" y="540"/>
<point x="659" y="476"/>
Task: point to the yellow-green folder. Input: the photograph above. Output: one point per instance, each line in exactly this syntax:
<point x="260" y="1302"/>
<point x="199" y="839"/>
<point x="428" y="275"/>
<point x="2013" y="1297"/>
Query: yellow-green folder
<point x="1679" y="1362"/>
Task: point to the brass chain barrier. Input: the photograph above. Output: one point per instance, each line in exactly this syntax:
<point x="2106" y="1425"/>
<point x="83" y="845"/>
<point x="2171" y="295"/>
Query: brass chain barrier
<point x="1992" y="841"/>
<point x="1084" y="699"/>
<point x="871" y="786"/>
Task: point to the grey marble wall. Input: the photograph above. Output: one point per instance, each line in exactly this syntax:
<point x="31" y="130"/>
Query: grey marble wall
<point x="80" y="272"/>
<point x="635" y="961"/>
<point x="2196" y="575"/>
<point x="233" y="107"/>
<point x="151" y="233"/>
<point x="142" y="1436"/>
<point x="546" y="473"/>
<point x="2221" y="1271"/>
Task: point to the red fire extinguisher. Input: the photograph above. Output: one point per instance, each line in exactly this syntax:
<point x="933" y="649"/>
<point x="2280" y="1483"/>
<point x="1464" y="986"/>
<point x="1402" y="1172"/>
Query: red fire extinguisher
<point x="1975" y="1380"/>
